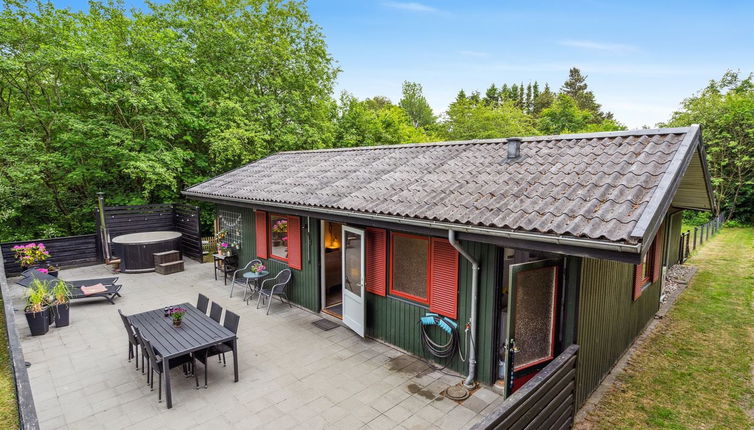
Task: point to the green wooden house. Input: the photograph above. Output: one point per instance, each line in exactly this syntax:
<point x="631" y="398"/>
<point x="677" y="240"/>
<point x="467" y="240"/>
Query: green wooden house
<point x="529" y="244"/>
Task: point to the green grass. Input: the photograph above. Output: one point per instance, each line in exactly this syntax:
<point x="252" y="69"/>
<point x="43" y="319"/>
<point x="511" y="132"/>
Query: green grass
<point x="695" y="371"/>
<point x="8" y="408"/>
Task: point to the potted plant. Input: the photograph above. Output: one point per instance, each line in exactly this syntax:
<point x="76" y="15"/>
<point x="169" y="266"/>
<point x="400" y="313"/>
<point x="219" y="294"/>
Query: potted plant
<point x="257" y="268"/>
<point x="60" y="307"/>
<point x="53" y="270"/>
<point x="177" y="315"/>
<point x="31" y="254"/>
<point x="225" y="247"/>
<point x="37" y="313"/>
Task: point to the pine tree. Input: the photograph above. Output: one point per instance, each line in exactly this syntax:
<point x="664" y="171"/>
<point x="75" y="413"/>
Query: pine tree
<point x="461" y="96"/>
<point x="528" y="101"/>
<point x="491" y="96"/>
<point x="577" y="88"/>
<point x="543" y="100"/>
<point x="505" y="93"/>
<point x="521" y="96"/>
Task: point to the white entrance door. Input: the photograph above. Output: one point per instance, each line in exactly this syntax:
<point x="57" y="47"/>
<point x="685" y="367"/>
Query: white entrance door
<point x="354" y="302"/>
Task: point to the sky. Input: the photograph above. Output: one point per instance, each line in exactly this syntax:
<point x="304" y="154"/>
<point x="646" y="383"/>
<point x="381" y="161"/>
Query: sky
<point x="642" y="58"/>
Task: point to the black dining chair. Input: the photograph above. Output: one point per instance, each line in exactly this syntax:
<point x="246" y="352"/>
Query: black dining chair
<point x="216" y="312"/>
<point x="133" y="343"/>
<point x="202" y="303"/>
<point x="158" y="365"/>
<point x="231" y="323"/>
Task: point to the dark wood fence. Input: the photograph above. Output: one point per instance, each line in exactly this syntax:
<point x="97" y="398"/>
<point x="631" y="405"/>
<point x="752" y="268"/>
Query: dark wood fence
<point x="186" y="220"/>
<point x="691" y="239"/>
<point x="68" y="251"/>
<point x="27" y="413"/>
<point x="173" y="217"/>
<point x="547" y="401"/>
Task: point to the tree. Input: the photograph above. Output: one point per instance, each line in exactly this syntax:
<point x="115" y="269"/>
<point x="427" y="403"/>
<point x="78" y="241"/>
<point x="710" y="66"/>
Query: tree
<point x="141" y="104"/>
<point x="492" y="95"/>
<point x="468" y="120"/>
<point x="576" y="87"/>
<point x="543" y="100"/>
<point x="564" y="116"/>
<point x="416" y="106"/>
<point x="359" y="123"/>
<point x="725" y="111"/>
<point x="378" y="102"/>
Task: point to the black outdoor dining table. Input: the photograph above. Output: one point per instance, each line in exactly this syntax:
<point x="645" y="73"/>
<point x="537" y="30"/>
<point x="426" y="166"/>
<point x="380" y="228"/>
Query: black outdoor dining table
<point x="197" y="332"/>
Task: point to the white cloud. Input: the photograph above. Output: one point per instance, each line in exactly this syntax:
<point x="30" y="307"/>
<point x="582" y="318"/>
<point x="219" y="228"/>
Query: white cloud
<point x="478" y="54"/>
<point x="411" y="6"/>
<point x="598" y="46"/>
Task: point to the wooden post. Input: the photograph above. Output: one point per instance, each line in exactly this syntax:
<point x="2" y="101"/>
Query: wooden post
<point x="695" y="230"/>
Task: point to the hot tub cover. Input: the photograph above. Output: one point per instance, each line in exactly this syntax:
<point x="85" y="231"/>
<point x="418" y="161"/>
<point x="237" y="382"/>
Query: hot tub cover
<point x="146" y="237"/>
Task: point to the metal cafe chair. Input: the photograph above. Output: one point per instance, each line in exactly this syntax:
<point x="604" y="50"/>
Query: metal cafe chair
<point x="277" y="288"/>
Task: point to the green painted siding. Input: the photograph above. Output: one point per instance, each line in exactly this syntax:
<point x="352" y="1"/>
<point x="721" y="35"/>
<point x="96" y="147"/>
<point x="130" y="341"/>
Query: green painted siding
<point x="609" y="320"/>
<point x="395" y="320"/>
<point x="304" y="287"/>
<point x="674" y="238"/>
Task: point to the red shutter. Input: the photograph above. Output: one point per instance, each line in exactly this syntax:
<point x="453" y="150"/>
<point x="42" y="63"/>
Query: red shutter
<point x="657" y="260"/>
<point x="376" y="261"/>
<point x="294" y="242"/>
<point x="638" y="281"/>
<point x="443" y="281"/>
<point x="261" y="234"/>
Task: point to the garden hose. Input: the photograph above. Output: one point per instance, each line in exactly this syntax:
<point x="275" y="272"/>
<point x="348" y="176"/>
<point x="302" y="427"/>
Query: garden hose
<point x="439" y="350"/>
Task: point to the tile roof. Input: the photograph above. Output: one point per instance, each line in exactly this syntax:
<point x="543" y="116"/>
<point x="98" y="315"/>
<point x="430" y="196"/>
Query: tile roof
<point x="594" y="186"/>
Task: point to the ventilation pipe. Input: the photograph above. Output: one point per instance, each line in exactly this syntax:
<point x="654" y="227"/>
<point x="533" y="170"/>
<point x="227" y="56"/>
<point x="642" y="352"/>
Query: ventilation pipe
<point x="514" y="147"/>
<point x="469" y="382"/>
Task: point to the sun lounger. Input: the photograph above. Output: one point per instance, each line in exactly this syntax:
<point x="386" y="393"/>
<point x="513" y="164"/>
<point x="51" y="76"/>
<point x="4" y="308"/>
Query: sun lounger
<point x="112" y="289"/>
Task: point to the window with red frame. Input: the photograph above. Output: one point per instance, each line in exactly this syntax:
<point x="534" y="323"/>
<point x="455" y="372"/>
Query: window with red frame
<point x="648" y="270"/>
<point x="409" y="267"/>
<point x="278" y="237"/>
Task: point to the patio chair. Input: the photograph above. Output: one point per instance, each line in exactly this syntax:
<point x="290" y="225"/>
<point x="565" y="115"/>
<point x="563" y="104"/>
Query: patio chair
<point x="216" y="312"/>
<point x="202" y="303"/>
<point x="133" y="343"/>
<point x="277" y="288"/>
<point x="231" y="323"/>
<point x="237" y="275"/>
<point x="158" y="365"/>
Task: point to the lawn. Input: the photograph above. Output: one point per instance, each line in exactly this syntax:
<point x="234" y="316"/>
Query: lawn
<point x="8" y="411"/>
<point x="695" y="371"/>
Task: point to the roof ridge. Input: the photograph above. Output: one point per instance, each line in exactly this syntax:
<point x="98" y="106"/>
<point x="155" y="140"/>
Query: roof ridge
<point x="593" y="135"/>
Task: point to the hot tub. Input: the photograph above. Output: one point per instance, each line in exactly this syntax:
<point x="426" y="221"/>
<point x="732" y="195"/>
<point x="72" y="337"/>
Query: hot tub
<point x="136" y="249"/>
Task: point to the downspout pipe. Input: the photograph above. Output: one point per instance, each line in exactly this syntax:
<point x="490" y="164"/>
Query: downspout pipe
<point x="469" y="382"/>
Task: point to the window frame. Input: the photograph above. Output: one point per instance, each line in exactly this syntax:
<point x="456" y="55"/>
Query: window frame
<point x="641" y="284"/>
<point x="269" y="237"/>
<point x="411" y="297"/>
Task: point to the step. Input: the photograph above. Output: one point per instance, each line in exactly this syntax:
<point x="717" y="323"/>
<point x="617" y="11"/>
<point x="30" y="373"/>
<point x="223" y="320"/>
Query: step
<point x="166" y="257"/>
<point x="169" y="267"/>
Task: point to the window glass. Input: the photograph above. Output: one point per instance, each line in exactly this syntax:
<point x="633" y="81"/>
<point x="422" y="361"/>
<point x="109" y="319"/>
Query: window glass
<point x="409" y="266"/>
<point x="279" y="236"/>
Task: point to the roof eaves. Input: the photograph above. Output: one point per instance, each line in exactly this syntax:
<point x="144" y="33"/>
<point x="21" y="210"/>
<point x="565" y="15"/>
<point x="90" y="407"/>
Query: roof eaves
<point x="563" y="240"/>
<point x="650" y="218"/>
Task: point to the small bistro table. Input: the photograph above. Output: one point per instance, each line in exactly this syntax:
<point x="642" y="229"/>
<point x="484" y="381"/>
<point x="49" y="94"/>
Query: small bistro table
<point x="197" y="332"/>
<point x="253" y="277"/>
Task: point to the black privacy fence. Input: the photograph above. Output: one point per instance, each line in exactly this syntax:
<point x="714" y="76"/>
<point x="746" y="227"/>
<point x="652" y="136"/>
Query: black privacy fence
<point x="547" y="401"/>
<point x="691" y="239"/>
<point x="87" y="249"/>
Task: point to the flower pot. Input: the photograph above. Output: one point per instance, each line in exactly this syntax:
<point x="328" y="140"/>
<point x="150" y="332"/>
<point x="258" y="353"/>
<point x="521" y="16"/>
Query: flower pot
<point x="177" y="323"/>
<point x="61" y="314"/>
<point x="53" y="273"/>
<point x="39" y="322"/>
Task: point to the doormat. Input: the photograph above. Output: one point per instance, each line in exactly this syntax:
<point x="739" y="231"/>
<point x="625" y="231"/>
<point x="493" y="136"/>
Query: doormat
<point x="324" y="324"/>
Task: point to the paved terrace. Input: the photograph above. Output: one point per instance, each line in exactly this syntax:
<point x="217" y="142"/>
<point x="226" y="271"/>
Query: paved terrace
<point x="292" y="374"/>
